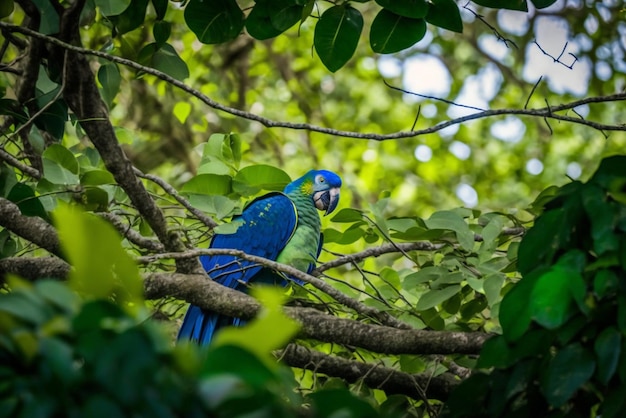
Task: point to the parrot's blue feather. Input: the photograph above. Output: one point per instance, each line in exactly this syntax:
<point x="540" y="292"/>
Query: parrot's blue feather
<point x="278" y="226"/>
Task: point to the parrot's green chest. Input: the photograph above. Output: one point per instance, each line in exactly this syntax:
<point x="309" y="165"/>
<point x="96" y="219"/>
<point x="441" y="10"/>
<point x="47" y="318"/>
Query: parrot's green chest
<point x="301" y="250"/>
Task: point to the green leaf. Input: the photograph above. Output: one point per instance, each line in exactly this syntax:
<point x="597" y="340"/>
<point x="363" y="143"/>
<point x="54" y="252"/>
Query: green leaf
<point x="271" y="18"/>
<point x="603" y="215"/>
<point x="97" y="178"/>
<point x="495" y="353"/>
<point x="161" y="32"/>
<point x="101" y="267"/>
<point x="211" y="184"/>
<point x="64" y="157"/>
<point x="551" y="300"/>
<point x="607" y="346"/>
<point x="220" y="206"/>
<point x="451" y="221"/>
<point x="48" y="17"/>
<point x="504" y="4"/>
<point x="6" y="8"/>
<point x="270" y="330"/>
<point x="214" y="21"/>
<point x="492" y="286"/>
<point x="160" y="7"/>
<point x="542" y="4"/>
<point x="132" y="17"/>
<point x="433" y="298"/>
<point x="348" y="215"/>
<point x="252" y="179"/>
<point x="542" y="240"/>
<point x="110" y="79"/>
<point x="515" y="312"/>
<point x="340" y="403"/>
<point x="570" y="368"/>
<point x="13" y="108"/>
<point x="111" y="7"/>
<point x="445" y="14"/>
<point x="349" y="236"/>
<point x="57" y="174"/>
<point x="407" y="8"/>
<point x="24" y="197"/>
<point x="337" y="34"/>
<point x="392" y="33"/>
<point x="165" y="59"/>
<point x="53" y="118"/>
<point x="605" y="282"/>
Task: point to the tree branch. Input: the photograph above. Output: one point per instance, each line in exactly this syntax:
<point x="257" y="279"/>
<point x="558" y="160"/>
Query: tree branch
<point x="357" y="306"/>
<point x="417" y="386"/>
<point x="174" y="193"/>
<point x="130" y="234"/>
<point x="31" y="228"/>
<point x="34" y="268"/>
<point x="199" y="290"/>
<point x="548" y="113"/>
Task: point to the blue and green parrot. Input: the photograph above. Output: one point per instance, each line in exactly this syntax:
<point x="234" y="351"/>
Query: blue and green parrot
<point x="284" y="227"/>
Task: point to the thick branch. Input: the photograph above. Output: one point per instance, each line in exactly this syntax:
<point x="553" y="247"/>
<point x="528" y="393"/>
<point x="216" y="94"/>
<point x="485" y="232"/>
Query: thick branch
<point x="546" y="112"/>
<point x="340" y="297"/>
<point x="200" y="291"/>
<point x="392" y="381"/>
<point x="31" y="228"/>
<point x="34" y="268"/>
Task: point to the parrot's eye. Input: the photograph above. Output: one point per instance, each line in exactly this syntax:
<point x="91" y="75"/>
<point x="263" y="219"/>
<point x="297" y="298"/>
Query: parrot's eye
<point x="320" y="179"/>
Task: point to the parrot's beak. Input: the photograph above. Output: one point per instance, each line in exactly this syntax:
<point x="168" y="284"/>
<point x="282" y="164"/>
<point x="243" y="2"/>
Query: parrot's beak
<point x="327" y="200"/>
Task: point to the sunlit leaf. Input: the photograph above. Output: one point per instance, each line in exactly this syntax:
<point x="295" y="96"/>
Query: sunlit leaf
<point x="208" y="184"/>
<point x="252" y="179"/>
<point x="451" y="221"/>
<point x="112" y="7"/>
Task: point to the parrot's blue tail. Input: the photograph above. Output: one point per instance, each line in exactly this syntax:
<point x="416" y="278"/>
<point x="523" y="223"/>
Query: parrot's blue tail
<point x="199" y="326"/>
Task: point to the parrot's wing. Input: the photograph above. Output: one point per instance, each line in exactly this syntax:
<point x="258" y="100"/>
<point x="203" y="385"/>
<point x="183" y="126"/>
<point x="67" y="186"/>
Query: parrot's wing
<point x="264" y="228"/>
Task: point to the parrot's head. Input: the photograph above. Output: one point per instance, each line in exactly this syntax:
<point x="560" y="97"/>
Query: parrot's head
<point x="323" y="187"/>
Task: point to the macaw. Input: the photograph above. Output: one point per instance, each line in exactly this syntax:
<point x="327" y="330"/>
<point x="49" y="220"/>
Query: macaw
<point x="284" y="227"/>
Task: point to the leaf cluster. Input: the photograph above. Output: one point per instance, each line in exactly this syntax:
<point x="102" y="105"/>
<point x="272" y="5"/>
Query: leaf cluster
<point x="560" y="353"/>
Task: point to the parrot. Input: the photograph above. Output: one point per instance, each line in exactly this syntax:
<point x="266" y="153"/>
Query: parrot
<point x="280" y="226"/>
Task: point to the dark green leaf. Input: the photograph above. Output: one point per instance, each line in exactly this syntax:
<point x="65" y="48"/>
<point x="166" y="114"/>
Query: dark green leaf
<point x="132" y="17"/>
<point x="340" y="403"/>
<point x="349" y="236"/>
<point x="215" y="21"/>
<point x="26" y="307"/>
<point x="25" y="198"/>
<point x="6" y="8"/>
<point x="604" y="282"/>
<point x="603" y="216"/>
<point x="247" y="366"/>
<point x="542" y="4"/>
<point x="271" y="18"/>
<point x="161" y="32"/>
<point x="607" y="346"/>
<point x="541" y="242"/>
<point x="570" y="368"/>
<point x="415" y="9"/>
<point x="13" y="108"/>
<point x="392" y="33"/>
<point x="53" y="118"/>
<point x="337" y="34"/>
<point x="61" y="155"/>
<point x="49" y="18"/>
<point x="165" y="59"/>
<point x="515" y="313"/>
<point x="57" y="174"/>
<point x="504" y="4"/>
<point x="445" y="14"/>
<point x="495" y="353"/>
<point x="160" y="7"/>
